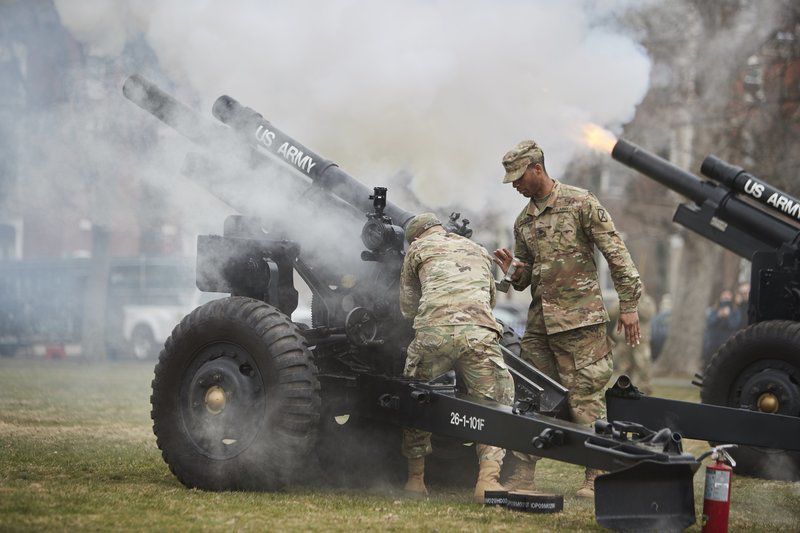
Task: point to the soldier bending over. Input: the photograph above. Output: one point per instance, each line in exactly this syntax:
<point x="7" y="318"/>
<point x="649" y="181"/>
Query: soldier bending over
<point x="447" y="288"/>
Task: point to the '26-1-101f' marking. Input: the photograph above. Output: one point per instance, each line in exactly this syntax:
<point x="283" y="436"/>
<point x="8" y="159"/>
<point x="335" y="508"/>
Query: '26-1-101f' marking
<point x="289" y="152"/>
<point x="471" y="422"/>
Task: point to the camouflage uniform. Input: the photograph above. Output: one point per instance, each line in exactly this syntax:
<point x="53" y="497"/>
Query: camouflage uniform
<point x="447" y="288"/>
<point x="565" y="334"/>
<point x="634" y="361"/>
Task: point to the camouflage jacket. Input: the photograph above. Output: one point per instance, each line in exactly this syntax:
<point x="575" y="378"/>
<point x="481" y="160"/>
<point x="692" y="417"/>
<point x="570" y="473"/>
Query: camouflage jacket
<point x="446" y="280"/>
<point x="557" y="245"/>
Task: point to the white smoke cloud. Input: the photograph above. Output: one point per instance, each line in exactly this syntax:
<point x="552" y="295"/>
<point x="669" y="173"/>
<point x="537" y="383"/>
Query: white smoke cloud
<point x="438" y="89"/>
<point x="102" y="25"/>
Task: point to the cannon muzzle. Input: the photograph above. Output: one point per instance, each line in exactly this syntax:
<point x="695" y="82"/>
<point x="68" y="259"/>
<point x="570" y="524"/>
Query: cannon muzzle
<point x="659" y="169"/>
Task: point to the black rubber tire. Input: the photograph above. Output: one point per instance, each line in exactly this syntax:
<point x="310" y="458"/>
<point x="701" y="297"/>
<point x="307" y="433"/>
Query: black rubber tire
<point x="774" y="340"/>
<point x="281" y="432"/>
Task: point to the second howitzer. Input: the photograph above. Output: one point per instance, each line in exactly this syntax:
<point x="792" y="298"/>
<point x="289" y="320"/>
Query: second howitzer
<point x="755" y="375"/>
<point x="245" y="398"/>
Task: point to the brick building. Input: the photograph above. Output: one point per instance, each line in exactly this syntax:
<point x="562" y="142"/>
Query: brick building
<point x="67" y="164"/>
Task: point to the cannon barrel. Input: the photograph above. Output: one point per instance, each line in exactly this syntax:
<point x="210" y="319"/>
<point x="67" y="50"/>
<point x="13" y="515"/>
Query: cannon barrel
<point x="741" y="181"/>
<point x="762" y="226"/>
<point x="263" y="135"/>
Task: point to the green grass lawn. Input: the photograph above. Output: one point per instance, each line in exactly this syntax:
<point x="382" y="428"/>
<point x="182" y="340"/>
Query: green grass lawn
<point x="77" y="452"/>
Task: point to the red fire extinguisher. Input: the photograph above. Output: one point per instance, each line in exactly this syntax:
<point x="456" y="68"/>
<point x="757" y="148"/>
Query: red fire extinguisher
<point x="717" y="498"/>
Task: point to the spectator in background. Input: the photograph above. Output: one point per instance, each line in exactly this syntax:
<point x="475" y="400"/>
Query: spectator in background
<point x="659" y="328"/>
<point x="722" y="321"/>
<point x="740" y="303"/>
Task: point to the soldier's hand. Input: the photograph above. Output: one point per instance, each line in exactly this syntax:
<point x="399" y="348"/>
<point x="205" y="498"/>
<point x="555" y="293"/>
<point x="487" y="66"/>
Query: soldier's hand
<point x="630" y="321"/>
<point x="503" y="257"/>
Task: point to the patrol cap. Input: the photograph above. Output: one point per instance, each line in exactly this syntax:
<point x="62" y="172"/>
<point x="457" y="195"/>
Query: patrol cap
<point x="417" y="225"/>
<point x="518" y="158"/>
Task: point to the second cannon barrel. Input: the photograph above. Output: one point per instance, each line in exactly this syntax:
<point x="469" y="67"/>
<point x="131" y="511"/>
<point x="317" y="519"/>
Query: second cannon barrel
<point x="761" y="225"/>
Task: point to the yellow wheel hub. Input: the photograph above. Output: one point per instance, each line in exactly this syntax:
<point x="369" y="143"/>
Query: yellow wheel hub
<point x="768" y="403"/>
<point x="215" y="400"/>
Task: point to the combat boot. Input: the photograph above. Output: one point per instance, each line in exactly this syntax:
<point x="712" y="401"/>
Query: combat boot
<point x="587" y="489"/>
<point x="488" y="479"/>
<point x="416" y="477"/>
<point x="521" y="478"/>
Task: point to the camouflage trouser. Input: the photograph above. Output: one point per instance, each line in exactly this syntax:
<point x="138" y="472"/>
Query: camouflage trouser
<point x="636" y="363"/>
<point x="579" y="359"/>
<point x="474" y="353"/>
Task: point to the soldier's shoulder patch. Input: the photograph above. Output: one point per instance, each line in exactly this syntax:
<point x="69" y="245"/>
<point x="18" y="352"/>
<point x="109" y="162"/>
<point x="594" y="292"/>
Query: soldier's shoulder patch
<point x="600" y="215"/>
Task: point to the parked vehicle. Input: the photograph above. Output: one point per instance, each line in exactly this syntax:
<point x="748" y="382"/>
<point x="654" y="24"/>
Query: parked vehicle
<point x="42" y="304"/>
<point x="145" y="326"/>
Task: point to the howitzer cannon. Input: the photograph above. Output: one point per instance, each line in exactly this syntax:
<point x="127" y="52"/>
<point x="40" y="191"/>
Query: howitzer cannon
<point x="244" y="398"/>
<point x="757" y="370"/>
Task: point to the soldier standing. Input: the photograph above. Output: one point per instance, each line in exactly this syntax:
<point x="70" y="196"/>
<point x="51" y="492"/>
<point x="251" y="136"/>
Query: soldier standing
<point x="446" y="287"/>
<point x="565" y="337"/>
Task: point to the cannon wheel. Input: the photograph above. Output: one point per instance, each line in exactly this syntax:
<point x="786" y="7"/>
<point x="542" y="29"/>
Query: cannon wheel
<point x="235" y="403"/>
<point x="759" y="368"/>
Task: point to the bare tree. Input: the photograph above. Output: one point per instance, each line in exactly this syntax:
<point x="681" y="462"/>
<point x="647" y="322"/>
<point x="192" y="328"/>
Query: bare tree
<point x="765" y="108"/>
<point x="696" y="47"/>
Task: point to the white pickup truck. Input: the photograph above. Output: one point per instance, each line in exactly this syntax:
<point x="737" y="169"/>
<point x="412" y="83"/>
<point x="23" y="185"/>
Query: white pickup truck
<point x="145" y="328"/>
